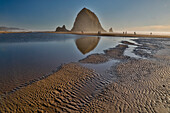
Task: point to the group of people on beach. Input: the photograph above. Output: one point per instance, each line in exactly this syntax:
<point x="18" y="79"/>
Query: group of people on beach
<point x="99" y="32"/>
<point x="125" y="32"/>
<point x="134" y="33"/>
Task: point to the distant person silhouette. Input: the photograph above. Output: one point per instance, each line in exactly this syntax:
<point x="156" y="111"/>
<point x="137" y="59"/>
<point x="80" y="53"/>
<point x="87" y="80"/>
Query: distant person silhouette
<point x="99" y="32"/>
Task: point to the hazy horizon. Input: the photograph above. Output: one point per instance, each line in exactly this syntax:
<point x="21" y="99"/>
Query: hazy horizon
<point x="120" y="15"/>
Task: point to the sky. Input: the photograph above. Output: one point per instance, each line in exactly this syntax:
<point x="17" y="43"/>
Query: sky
<point x="146" y="15"/>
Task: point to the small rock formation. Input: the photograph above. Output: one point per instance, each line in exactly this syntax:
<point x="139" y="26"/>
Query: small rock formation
<point x="87" y="21"/>
<point x="111" y="30"/>
<point x="62" y="29"/>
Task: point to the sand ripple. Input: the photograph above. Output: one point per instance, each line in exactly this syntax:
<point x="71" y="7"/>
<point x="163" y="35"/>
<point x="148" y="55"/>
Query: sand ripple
<point x="142" y="87"/>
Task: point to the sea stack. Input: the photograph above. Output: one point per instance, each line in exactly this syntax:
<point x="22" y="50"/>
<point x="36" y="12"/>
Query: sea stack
<point x="87" y="21"/>
<point x="62" y="29"/>
<point x="111" y="30"/>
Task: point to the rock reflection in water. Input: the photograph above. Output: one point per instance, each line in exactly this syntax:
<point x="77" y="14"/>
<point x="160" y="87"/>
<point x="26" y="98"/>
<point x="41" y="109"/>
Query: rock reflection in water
<point x="87" y="44"/>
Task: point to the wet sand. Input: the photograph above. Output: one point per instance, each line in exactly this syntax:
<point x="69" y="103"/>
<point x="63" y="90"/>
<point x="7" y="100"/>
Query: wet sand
<point x="111" y="53"/>
<point x="141" y="85"/>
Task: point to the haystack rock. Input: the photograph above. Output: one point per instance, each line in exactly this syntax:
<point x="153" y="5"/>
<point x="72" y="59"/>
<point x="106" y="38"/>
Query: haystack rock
<point x="110" y="30"/>
<point x="87" y="21"/>
<point x="62" y="29"/>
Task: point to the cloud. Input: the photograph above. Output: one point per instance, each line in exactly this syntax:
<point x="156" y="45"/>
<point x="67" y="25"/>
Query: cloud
<point x="151" y="28"/>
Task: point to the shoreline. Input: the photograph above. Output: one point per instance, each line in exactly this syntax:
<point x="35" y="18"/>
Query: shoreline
<point x="96" y="34"/>
<point x="114" y="34"/>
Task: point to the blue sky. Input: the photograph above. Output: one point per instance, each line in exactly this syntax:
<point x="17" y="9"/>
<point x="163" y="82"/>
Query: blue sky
<point x="119" y="14"/>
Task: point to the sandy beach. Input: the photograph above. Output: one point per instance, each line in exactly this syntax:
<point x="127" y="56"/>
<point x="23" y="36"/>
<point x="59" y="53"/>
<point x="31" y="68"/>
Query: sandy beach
<point x="139" y="85"/>
<point x="115" y="34"/>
